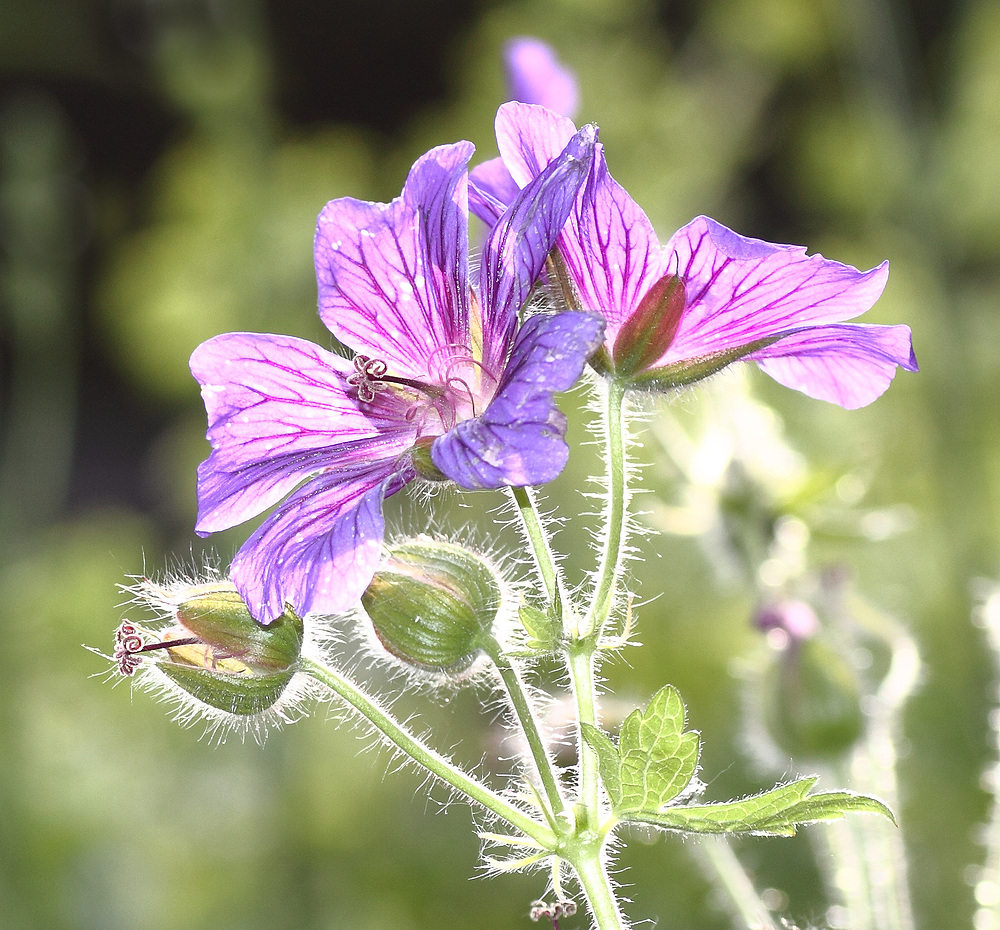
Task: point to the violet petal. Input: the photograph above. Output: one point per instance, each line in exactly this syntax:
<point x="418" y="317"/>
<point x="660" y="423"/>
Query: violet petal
<point x="319" y="549"/>
<point x="518" y="440"/>
<point x="393" y="277"/>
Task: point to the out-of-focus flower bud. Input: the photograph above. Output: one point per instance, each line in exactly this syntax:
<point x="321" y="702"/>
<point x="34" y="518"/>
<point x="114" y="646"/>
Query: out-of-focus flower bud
<point x="433" y="604"/>
<point x="812" y="700"/>
<point x="215" y="650"/>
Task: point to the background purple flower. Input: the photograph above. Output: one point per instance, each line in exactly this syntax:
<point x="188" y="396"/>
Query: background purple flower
<point x="534" y="75"/>
<point x="710" y="296"/>
<point x="441" y="369"/>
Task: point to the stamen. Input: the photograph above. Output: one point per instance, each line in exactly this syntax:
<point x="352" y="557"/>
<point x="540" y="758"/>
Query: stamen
<point x="129" y="643"/>
<point x="367" y="377"/>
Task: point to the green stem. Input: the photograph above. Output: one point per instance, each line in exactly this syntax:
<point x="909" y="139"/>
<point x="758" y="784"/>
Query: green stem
<point x="529" y="725"/>
<point x="431" y="760"/>
<point x="596" y="885"/>
<point x="539" y="541"/>
<point x="580" y="665"/>
<point x="615" y="512"/>
<point x="728" y="873"/>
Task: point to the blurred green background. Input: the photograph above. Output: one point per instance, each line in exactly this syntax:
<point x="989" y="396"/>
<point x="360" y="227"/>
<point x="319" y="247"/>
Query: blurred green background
<point x="161" y="166"/>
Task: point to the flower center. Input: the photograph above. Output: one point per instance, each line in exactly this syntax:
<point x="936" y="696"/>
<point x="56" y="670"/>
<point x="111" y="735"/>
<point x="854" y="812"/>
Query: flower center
<point x="458" y="387"/>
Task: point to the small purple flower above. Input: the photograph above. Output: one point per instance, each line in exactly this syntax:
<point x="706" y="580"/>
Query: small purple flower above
<point x="708" y="298"/>
<point x="446" y="383"/>
<point x="534" y="75"/>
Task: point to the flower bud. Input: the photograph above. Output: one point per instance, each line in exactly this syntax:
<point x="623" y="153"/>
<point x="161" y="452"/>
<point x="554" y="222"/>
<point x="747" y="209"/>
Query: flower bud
<point x="812" y="701"/>
<point x="216" y="651"/>
<point x="433" y="604"/>
<point x="647" y="334"/>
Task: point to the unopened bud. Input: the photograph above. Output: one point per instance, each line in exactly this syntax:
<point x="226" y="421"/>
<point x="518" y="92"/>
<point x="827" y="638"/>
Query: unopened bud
<point x="215" y="650"/>
<point x="812" y="701"/>
<point x="433" y="604"/>
<point x="647" y="334"/>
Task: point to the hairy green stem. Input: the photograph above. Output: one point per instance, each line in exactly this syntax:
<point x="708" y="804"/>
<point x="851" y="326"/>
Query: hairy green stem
<point x="615" y="512"/>
<point x="529" y="725"/>
<point x="580" y="665"/>
<point x="431" y="760"/>
<point x="538" y="539"/>
<point x="596" y="885"/>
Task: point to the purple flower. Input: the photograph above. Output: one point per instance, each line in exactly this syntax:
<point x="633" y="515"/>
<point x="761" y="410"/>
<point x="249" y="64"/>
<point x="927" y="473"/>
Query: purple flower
<point x="445" y="382"/>
<point x="534" y="75"/>
<point x="708" y="298"/>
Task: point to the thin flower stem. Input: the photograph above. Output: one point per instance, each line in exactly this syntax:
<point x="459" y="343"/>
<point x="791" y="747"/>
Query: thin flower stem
<point x="431" y="760"/>
<point x="538" y="539"/>
<point x="529" y="725"/>
<point x="615" y="512"/>
<point x="727" y="872"/>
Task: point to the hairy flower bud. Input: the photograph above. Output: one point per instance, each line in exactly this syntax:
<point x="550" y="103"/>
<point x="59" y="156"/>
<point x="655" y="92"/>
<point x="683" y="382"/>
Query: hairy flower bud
<point x="433" y="604"/>
<point x="215" y="650"/>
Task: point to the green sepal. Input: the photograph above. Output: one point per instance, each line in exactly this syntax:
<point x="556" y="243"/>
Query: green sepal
<point x="658" y="759"/>
<point x="608" y="761"/>
<point x="679" y="374"/>
<point x="777" y="812"/>
<point x="243" y="695"/>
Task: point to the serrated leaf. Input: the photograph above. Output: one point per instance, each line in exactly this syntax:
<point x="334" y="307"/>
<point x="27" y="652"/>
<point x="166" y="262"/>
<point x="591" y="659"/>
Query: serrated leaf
<point x="658" y="759"/>
<point x="608" y="761"/>
<point x="777" y="812"/>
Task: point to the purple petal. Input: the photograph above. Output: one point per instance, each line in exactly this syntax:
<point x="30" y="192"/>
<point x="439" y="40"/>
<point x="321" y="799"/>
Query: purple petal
<point x="491" y="190"/>
<point x="519" y="439"/>
<point x="319" y="549"/>
<point x="850" y="364"/>
<point x="279" y="411"/>
<point x="610" y="248"/>
<point x="516" y="248"/>
<point x="393" y="277"/>
<point x="741" y="290"/>
<point x="534" y="75"/>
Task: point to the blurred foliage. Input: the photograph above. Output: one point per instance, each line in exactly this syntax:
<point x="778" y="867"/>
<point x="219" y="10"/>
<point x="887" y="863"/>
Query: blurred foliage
<point x="161" y="166"/>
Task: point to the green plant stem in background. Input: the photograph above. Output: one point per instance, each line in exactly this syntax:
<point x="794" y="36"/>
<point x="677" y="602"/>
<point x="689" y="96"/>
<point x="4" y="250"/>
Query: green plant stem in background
<point x="431" y="760"/>
<point x="727" y="872"/>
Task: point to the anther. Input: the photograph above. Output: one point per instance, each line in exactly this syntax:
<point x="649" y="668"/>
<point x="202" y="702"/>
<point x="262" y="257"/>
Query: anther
<point x="367" y="377"/>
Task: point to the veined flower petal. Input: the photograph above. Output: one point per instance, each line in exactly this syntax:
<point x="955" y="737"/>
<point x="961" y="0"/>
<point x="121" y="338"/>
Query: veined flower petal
<point x="741" y="290"/>
<point x="515" y="251"/>
<point x="609" y="247"/>
<point x="393" y="277"/>
<point x="518" y="440"/>
<point x="850" y="364"/>
<point x="491" y="190"/>
<point x="278" y="412"/>
<point x="320" y="548"/>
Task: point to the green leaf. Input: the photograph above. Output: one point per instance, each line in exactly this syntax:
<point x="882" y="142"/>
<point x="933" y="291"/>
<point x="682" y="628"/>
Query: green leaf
<point x="658" y="759"/>
<point x="772" y="813"/>
<point x="608" y="761"/>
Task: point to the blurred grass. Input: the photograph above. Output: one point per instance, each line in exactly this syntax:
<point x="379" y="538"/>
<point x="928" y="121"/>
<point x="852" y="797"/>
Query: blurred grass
<point x="867" y="130"/>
